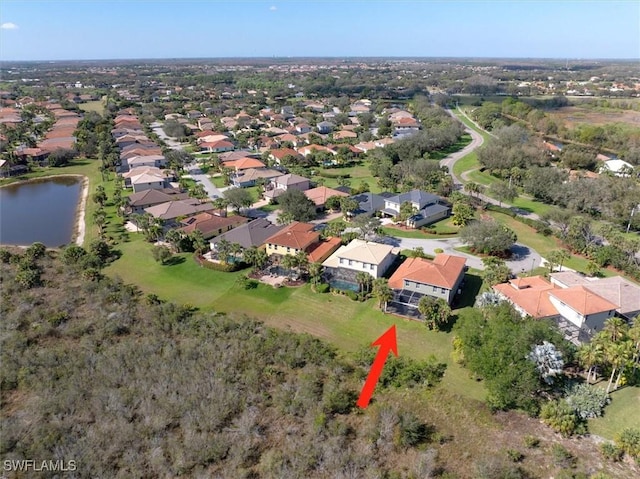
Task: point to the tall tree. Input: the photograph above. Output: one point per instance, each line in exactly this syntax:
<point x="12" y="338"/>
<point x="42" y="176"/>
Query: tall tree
<point x="382" y="292"/>
<point x="436" y="312"/>
<point x="238" y="198"/>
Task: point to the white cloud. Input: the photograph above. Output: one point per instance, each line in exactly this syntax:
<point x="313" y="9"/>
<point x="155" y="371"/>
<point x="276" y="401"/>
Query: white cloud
<point x="273" y="8"/>
<point x="9" y="26"/>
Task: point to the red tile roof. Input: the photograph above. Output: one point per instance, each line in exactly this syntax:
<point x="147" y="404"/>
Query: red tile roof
<point x="318" y="252"/>
<point x="582" y="300"/>
<point x="296" y="235"/>
<point x="443" y="271"/>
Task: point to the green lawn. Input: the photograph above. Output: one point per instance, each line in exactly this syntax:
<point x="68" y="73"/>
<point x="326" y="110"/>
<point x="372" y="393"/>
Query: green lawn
<point x="543" y="244"/>
<point x="347" y="324"/>
<point x="97" y="106"/>
<point x="622" y="412"/>
<point x="466" y="163"/>
<point x="532" y="205"/>
<point x="218" y="181"/>
<point x="463" y="141"/>
<point x="356" y="175"/>
<point x="481" y="178"/>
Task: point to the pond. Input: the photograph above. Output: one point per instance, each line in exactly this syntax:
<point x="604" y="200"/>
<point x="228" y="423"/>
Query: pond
<point x="41" y="210"/>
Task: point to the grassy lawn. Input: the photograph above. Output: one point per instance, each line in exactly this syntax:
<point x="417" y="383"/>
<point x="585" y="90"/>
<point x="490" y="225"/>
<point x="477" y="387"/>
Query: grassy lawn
<point x="443" y="227"/>
<point x="404" y="233"/>
<point x="457" y="146"/>
<point x="532" y="205"/>
<point x="347" y="324"/>
<point x="356" y="175"/>
<point x="97" y="106"/>
<point x="269" y="208"/>
<point x="218" y="181"/>
<point x="481" y="177"/>
<point x="543" y="244"/>
<point x="466" y="163"/>
<point x="621" y="413"/>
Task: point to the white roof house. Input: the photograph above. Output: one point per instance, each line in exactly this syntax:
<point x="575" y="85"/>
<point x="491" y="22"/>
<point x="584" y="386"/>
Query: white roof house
<point x="359" y="255"/>
<point x="617" y="167"/>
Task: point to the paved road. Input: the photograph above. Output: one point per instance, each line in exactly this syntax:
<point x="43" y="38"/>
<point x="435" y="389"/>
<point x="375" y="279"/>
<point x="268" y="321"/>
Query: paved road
<point x="194" y="172"/>
<point x="476" y="141"/>
<point x="171" y="143"/>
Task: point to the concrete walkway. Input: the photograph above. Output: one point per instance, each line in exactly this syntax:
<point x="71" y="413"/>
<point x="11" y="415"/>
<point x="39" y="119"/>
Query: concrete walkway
<point x="194" y="172"/>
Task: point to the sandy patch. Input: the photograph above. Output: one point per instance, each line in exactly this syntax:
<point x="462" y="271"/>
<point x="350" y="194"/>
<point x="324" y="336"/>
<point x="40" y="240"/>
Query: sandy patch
<point x="81" y="223"/>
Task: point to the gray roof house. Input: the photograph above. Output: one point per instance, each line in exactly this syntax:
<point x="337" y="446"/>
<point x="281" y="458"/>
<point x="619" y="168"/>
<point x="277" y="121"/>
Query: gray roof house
<point x="254" y="233"/>
<point x="282" y="183"/>
<point x="430" y="208"/>
<point x="368" y="203"/>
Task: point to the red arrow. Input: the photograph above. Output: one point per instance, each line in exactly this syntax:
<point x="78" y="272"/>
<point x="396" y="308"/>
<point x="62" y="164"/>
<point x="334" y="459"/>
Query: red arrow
<point x="387" y="342"/>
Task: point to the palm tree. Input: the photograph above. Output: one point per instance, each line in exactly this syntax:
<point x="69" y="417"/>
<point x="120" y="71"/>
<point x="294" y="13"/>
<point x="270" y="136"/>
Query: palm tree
<point x="302" y="262"/>
<point x="382" y="292"/>
<point x="626" y="350"/>
<point x="634" y="335"/>
<point x="235" y="249"/>
<point x="615" y="328"/>
<point x="362" y="279"/>
<point x="589" y="356"/>
<point x="288" y="262"/>
<point x="224" y="248"/>
<point x="315" y="273"/>
<point x="472" y="188"/>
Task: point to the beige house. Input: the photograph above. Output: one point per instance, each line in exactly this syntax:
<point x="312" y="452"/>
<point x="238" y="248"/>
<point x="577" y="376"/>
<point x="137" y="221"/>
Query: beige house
<point x="292" y="239"/>
<point x="359" y="256"/>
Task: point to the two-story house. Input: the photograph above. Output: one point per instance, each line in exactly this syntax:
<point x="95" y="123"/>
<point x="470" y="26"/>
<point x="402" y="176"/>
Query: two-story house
<point x="578" y="311"/>
<point x="428" y="207"/>
<point x="292" y="239"/>
<point x="342" y="267"/>
<point x="417" y="277"/>
<point x="282" y="183"/>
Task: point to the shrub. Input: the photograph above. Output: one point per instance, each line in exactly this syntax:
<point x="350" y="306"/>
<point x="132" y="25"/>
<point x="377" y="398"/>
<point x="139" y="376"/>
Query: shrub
<point x="531" y="441"/>
<point x="5" y="255"/>
<point x="339" y="401"/>
<point x="515" y="455"/>
<point x="611" y="452"/>
<point x="562" y="418"/>
<point x="438" y="250"/>
<point x="562" y="457"/>
<point x="411" y="431"/>
<point x="352" y="295"/>
<point x="323" y="288"/>
<point x="629" y="441"/>
<point x="587" y="401"/>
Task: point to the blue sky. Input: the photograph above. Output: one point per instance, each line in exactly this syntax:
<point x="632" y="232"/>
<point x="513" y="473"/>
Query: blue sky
<point x="59" y="30"/>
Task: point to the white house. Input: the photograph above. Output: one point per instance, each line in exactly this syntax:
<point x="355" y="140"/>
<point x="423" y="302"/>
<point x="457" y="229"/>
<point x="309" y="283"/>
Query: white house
<point x="357" y="256"/>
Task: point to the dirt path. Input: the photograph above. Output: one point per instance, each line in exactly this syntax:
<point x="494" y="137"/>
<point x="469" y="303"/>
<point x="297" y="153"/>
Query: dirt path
<point x="81" y="221"/>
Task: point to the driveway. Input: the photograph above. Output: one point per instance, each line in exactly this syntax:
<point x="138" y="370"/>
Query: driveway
<point x="194" y="172"/>
<point x="523" y="260"/>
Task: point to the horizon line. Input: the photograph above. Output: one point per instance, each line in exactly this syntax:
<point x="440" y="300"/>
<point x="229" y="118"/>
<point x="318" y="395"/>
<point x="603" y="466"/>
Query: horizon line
<point x="326" y="57"/>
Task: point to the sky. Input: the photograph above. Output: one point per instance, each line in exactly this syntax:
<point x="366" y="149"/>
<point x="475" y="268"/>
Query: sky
<point x="115" y="29"/>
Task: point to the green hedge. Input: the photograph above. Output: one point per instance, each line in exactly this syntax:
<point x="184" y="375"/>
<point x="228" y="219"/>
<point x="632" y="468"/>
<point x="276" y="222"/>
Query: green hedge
<point x="227" y="268"/>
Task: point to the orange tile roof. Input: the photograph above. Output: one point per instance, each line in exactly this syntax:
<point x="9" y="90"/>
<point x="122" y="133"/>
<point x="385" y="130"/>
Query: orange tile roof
<point x="320" y="251"/>
<point x="443" y="271"/>
<point x="244" y="164"/>
<point x="320" y="194"/>
<point x="529" y="294"/>
<point x="583" y="300"/>
<point x="296" y="235"/>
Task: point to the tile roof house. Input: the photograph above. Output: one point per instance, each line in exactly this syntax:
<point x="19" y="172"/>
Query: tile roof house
<point x="251" y="176"/>
<point x="137" y="202"/>
<point x="292" y="239"/>
<point x="172" y="210"/>
<point x="279" y="154"/>
<point x="149" y="160"/>
<point x="616" y="289"/>
<point x="211" y="225"/>
<point x="319" y="252"/>
<point x="254" y="233"/>
<point x="439" y="278"/>
<point x="282" y="183"/>
<point x="357" y="256"/>
<point x="244" y="164"/>
<point x="320" y="195"/>
<point x="430" y="208"/>
<point x="216" y="146"/>
<point x="308" y="149"/>
<point x="578" y="311"/>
